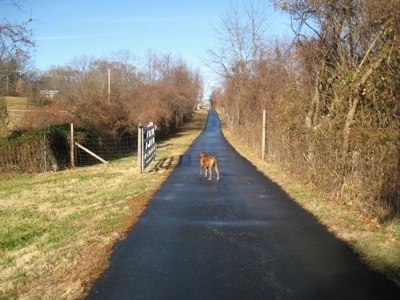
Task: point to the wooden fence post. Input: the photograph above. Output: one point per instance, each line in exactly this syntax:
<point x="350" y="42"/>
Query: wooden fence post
<point x="45" y="153"/>
<point x="264" y="127"/>
<point x="140" y="148"/>
<point x="72" y="145"/>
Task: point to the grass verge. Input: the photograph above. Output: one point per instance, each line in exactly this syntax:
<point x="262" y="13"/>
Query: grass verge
<point x="57" y="229"/>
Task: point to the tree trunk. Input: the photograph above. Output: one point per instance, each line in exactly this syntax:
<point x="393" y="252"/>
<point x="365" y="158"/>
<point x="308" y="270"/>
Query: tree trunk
<point x="353" y="107"/>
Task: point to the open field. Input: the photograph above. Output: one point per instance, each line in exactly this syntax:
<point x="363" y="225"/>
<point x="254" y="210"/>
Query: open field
<point x="16" y="107"/>
<point x="16" y="103"/>
<point x="58" y="229"/>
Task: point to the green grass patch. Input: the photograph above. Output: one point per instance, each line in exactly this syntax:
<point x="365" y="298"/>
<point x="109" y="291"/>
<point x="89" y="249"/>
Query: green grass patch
<point x="19" y="228"/>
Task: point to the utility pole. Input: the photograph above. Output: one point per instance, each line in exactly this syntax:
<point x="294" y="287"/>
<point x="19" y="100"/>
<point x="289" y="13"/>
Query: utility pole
<point x="109" y="85"/>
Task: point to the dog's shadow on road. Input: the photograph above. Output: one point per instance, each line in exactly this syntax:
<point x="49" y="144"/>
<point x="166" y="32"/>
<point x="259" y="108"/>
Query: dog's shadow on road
<point x="166" y="163"/>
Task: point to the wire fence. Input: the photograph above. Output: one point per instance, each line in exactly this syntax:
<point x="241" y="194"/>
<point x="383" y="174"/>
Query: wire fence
<point x="106" y="148"/>
<point x="52" y="152"/>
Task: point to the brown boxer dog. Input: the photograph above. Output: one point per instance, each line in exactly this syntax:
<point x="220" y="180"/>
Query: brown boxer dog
<point x="207" y="162"/>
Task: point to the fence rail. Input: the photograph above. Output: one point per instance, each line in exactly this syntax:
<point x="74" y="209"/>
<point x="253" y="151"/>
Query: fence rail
<point x="103" y="149"/>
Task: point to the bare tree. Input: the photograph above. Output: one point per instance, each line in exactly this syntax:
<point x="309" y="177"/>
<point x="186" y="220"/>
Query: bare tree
<point x="240" y="45"/>
<point x="349" y="49"/>
<point x="240" y="41"/>
<point x="16" y="45"/>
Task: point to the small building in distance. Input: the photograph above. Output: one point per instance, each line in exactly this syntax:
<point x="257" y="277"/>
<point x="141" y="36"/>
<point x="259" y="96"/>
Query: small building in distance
<point x="48" y="93"/>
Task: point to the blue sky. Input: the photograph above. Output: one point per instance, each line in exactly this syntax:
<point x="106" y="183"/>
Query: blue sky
<point x="65" y="30"/>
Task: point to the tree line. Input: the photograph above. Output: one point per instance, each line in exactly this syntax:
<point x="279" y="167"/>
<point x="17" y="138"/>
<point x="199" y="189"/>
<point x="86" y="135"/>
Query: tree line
<point x="331" y="93"/>
<point x="103" y="97"/>
<point x="109" y="95"/>
<point x="113" y="95"/>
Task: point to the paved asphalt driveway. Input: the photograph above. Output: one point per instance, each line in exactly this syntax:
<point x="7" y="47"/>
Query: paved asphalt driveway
<point x="239" y="238"/>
